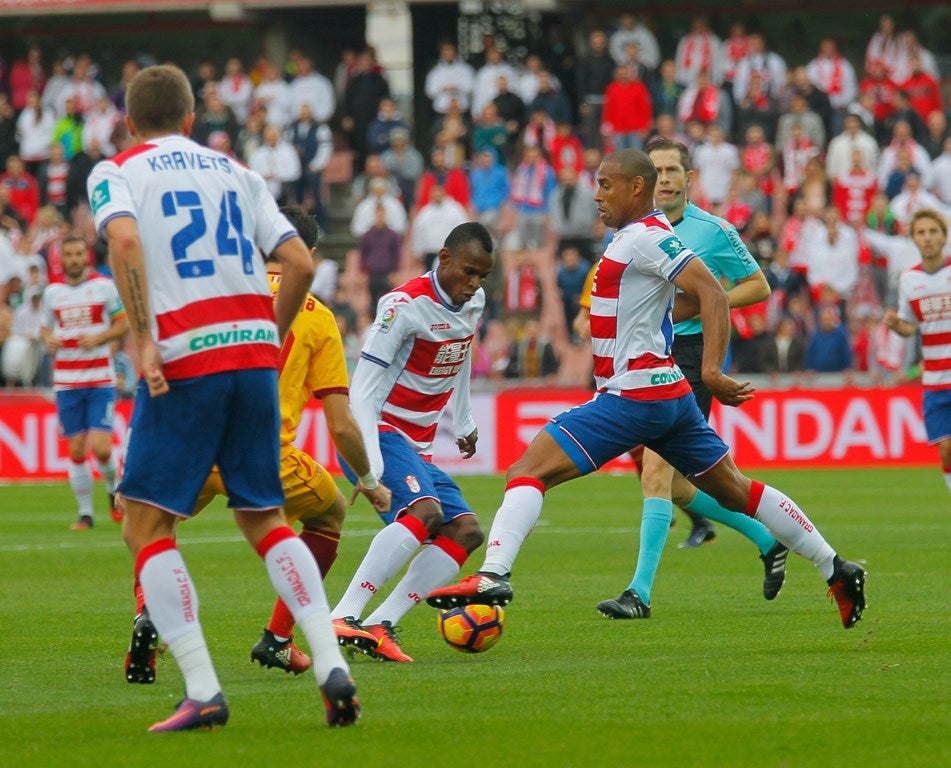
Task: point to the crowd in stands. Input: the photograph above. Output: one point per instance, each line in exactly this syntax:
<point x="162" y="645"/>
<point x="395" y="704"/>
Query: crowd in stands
<point x="819" y="164"/>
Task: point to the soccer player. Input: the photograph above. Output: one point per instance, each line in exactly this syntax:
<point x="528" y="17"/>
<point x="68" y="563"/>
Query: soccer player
<point x="312" y="364"/>
<point x="643" y="398"/>
<point x="182" y="223"/>
<point x="82" y="317"/>
<point x="924" y="300"/>
<point x="716" y="242"/>
<point x="415" y="362"/>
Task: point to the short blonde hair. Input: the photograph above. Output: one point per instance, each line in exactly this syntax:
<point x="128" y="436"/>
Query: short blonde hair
<point x="929" y="213"/>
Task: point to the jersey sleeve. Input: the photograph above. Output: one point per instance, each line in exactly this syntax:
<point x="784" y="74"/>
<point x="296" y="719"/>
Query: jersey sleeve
<point x="328" y="365"/>
<point x="113" y="303"/>
<point x="109" y="195"/>
<point x="731" y="253"/>
<point x="394" y="324"/>
<point x="905" y="312"/>
<point x="660" y="252"/>
<point x="271" y="226"/>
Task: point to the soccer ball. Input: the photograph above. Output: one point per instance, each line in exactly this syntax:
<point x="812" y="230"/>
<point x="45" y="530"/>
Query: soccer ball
<point x="471" y="628"/>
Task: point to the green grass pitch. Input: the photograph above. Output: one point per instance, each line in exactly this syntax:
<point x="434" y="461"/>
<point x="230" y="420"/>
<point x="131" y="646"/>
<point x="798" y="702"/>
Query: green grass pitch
<point x="717" y="677"/>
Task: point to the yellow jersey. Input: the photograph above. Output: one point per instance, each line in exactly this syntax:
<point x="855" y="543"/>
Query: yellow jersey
<point x="312" y="362"/>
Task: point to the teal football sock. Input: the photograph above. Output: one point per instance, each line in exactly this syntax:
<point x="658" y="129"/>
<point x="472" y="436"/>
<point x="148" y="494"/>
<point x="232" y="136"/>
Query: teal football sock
<point x="754" y="530"/>
<point x="655" y="522"/>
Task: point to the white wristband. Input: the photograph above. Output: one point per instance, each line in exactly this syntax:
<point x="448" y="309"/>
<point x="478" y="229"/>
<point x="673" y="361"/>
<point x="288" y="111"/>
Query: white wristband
<point x="369" y="481"/>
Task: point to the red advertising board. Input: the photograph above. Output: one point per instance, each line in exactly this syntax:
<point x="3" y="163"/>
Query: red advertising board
<point x="782" y="429"/>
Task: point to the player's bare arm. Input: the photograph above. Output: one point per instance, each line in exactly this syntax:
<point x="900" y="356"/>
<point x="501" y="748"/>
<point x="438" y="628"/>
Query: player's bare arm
<point x="297" y="273"/>
<point x="894" y="323"/>
<point x="697" y="281"/>
<point x="749" y="290"/>
<point x="345" y="433"/>
<point x="128" y="271"/>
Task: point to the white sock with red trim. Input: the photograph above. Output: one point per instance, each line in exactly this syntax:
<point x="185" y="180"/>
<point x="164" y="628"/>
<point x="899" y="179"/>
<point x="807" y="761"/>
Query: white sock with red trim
<point x="789" y="525"/>
<point x="521" y="507"/>
<point x="431" y="568"/>
<point x="389" y="551"/>
<point x="295" y="576"/>
<point x="109" y="470"/>
<point x="173" y="608"/>
<point x="947" y="476"/>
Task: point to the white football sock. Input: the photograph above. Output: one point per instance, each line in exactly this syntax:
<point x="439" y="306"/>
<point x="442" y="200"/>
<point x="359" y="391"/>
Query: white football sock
<point x="109" y="471"/>
<point x="173" y="608"/>
<point x="389" y="551"/>
<point x="521" y="507"/>
<point x="80" y="481"/>
<point x="295" y="576"/>
<point x="431" y="568"/>
<point x="790" y="526"/>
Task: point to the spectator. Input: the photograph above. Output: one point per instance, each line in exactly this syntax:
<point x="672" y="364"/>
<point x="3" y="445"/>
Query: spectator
<point x="829" y="350"/>
<point x="315" y="89"/>
<point x="529" y="80"/>
<point x="373" y="169"/>
<point x="903" y="141"/>
<point x="277" y="162"/>
<point x="571" y="277"/>
<point x="595" y="71"/>
<point x="833" y="74"/>
<point x="853" y="190"/>
<point x="699" y="51"/>
<point x="313" y="143"/>
<point x="550" y="99"/>
<point x="532" y="356"/>
<point x="759" y="238"/>
<point x="884" y="46"/>
<point x="666" y="91"/>
<point x="941" y="174"/>
<point x="453" y="180"/>
<point x="566" y="149"/>
<point x="34" y="131"/>
<point x="57" y="82"/>
<point x="23" y="350"/>
<point x="752" y="351"/>
<point x="449" y="78"/>
<point x="23" y="189"/>
<point x="205" y="73"/>
<point x="489" y="183"/>
<point x="83" y="89"/>
<point x="631" y="30"/>
<point x="324" y="285"/>
<point x="936" y="134"/>
<point x="627" y="116"/>
<point x="380" y="249"/>
<point x="404" y="163"/>
<point x="913" y="197"/>
<point x="810" y="123"/>
<point x="51" y="178"/>
<point x="485" y="84"/>
<point x="910" y="48"/>
<point x="102" y="123"/>
<point x="432" y="224"/>
<point x="361" y="104"/>
<point x="839" y="158"/>
<point x="816" y="99"/>
<point x="512" y="111"/>
<point x="902" y="113"/>
<point x="732" y="51"/>
<point x="490" y="133"/>
<point x="365" y="213"/>
<point x="704" y="102"/>
<point x="451" y="132"/>
<point x="769" y="65"/>
<point x="522" y="290"/>
<point x="273" y="95"/>
<point x="532" y="184"/>
<point x="68" y="130"/>
<point x="26" y="75"/>
<point x="235" y="89"/>
<point x="8" y="129"/>
<point x="923" y="91"/>
<point x="380" y="130"/>
<point x="250" y="138"/>
<point x="716" y="161"/>
<point x="79" y="169"/>
<point x="877" y="83"/>
<point x="831" y="251"/>
<point x="758" y="159"/>
<point x="215" y="116"/>
<point x="787" y="353"/>
<point x="795" y="155"/>
<point x="757" y="108"/>
<point x="572" y="215"/>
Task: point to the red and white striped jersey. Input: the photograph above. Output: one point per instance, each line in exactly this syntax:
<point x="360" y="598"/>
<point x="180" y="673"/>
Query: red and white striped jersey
<point x="631" y="300"/>
<point x="74" y="311"/>
<point x="925" y="299"/>
<point x="418" y="351"/>
<point x="201" y="218"/>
